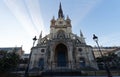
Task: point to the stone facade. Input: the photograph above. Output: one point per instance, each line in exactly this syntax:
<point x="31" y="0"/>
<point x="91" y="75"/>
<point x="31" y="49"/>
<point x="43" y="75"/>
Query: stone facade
<point x="61" y="49"/>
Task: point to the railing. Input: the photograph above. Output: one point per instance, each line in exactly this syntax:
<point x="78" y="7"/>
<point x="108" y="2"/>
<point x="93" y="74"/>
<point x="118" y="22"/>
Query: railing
<point x="68" y="66"/>
<point x="62" y="66"/>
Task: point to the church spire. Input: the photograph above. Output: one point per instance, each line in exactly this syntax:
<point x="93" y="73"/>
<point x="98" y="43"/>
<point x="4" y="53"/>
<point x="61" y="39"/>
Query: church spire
<point x="60" y="12"/>
<point x="40" y="35"/>
<point x="81" y="34"/>
<point x="39" y="40"/>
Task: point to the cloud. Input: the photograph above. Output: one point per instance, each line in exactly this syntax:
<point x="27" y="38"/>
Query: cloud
<point x="33" y="7"/>
<point x="28" y="16"/>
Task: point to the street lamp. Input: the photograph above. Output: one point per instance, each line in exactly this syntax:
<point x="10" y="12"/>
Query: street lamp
<point x="27" y="68"/>
<point x="34" y="40"/>
<point x="95" y="38"/>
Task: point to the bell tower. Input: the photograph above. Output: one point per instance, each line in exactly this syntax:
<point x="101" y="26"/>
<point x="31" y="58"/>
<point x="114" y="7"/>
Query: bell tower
<point x="60" y="24"/>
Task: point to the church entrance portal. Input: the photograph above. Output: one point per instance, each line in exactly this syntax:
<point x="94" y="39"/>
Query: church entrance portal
<point x="61" y="55"/>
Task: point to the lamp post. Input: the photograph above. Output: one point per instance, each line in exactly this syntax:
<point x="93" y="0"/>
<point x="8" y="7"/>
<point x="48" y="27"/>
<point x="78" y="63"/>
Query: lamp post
<point x="34" y="40"/>
<point x="95" y="38"/>
<point x="27" y="68"/>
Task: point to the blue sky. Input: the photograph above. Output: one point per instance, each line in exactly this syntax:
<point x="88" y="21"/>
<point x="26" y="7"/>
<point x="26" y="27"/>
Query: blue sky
<point x="21" y="20"/>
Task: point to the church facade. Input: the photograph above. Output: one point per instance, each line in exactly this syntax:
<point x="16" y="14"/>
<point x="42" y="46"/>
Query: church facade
<point x="61" y="49"/>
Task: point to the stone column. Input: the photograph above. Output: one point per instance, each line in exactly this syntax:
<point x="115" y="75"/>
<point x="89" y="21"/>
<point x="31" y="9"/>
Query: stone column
<point x="52" y="54"/>
<point x="45" y="60"/>
<point x="70" y="56"/>
<point x="50" y="57"/>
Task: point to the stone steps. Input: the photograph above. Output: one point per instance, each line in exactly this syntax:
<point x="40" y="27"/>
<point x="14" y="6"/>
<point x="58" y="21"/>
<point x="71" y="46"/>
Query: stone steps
<point x="61" y="73"/>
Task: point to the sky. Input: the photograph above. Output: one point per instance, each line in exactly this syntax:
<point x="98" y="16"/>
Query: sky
<point x="21" y="20"/>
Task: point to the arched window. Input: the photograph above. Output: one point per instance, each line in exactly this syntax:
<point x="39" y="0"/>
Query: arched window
<point x="42" y="50"/>
<point x="41" y="63"/>
<point x="78" y="41"/>
<point x="82" y="62"/>
<point x="60" y="34"/>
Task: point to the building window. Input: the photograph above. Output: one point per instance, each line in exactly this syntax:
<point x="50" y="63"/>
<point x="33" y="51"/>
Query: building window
<point x="82" y="62"/>
<point x="41" y="63"/>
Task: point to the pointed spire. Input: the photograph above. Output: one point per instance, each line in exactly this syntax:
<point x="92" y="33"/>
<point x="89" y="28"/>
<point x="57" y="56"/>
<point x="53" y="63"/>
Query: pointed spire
<point x="53" y="18"/>
<point x="81" y="34"/>
<point x="60" y="12"/>
<point x="68" y="17"/>
<point x="40" y="35"/>
<point x="60" y="6"/>
<point x="39" y="40"/>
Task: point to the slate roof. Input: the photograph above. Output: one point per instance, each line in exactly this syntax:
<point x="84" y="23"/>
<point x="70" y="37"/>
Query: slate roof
<point x="11" y="48"/>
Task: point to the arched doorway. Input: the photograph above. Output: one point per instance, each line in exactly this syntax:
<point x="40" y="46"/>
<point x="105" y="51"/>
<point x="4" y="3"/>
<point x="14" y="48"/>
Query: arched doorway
<point x="61" y="55"/>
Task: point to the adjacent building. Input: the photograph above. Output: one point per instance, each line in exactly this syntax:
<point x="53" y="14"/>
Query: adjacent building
<point x="106" y="51"/>
<point x="17" y="50"/>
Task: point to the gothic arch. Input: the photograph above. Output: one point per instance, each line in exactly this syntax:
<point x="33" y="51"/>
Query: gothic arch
<point x="61" y="55"/>
<point x="60" y="34"/>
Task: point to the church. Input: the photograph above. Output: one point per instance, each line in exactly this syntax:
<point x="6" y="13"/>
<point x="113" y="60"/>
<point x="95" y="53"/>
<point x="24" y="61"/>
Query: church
<point x="62" y="49"/>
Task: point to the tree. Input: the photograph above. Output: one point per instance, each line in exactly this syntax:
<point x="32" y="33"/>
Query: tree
<point x="8" y="61"/>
